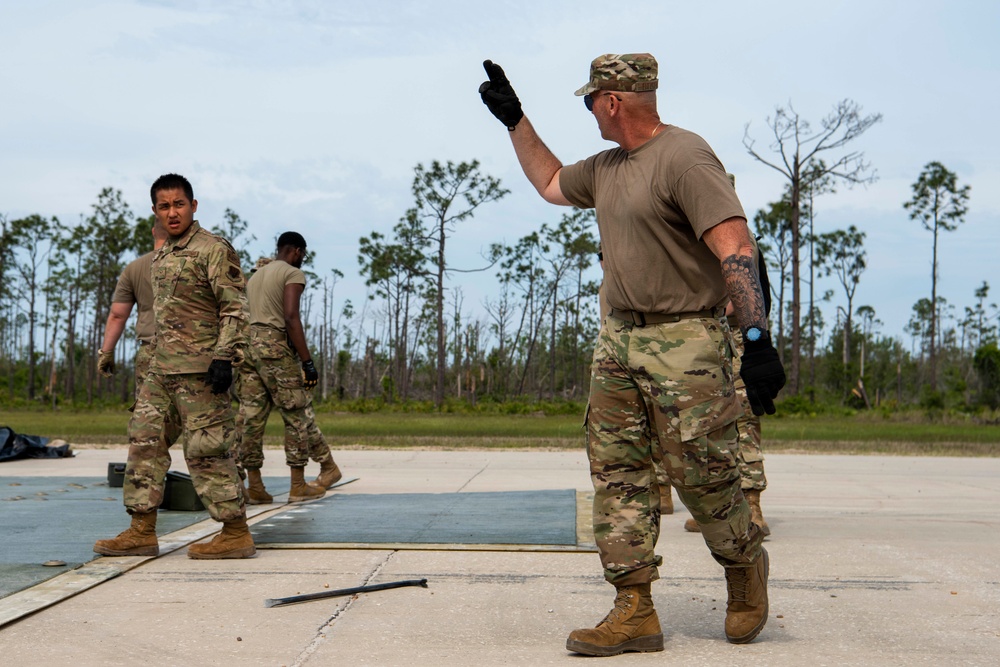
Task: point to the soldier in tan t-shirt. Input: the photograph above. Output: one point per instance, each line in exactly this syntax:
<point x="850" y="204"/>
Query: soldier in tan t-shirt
<point x="676" y="250"/>
<point x="133" y="289"/>
<point x="280" y="373"/>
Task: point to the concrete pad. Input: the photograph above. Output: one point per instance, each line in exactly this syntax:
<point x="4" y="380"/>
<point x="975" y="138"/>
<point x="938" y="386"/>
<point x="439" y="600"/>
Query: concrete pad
<point x="874" y="561"/>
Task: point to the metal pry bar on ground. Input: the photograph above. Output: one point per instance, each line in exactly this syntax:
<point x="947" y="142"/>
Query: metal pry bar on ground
<point x="277" y="602"/>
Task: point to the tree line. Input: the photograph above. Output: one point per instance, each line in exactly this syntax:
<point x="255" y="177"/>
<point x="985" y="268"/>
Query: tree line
<point x="411" y="337"/>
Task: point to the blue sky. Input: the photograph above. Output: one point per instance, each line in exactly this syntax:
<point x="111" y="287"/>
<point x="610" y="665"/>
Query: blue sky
<point x="312" y="115"/>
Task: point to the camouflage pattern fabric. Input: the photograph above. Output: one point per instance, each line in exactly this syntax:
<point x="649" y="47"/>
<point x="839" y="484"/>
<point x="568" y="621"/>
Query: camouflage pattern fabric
<point x="665" y="393"/>
<point x="199" y="303"/>
<point x="143" y="358"/>
<point x="626" y="73"/>
<point x="206" y="438"/>
<point x="273" y="378"/>
<point x="750" y="457"/>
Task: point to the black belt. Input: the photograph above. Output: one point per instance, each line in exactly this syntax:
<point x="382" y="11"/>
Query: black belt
<point x="642" y="319"/>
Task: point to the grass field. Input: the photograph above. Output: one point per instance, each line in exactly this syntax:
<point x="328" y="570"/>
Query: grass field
<point x="845" y="435"/>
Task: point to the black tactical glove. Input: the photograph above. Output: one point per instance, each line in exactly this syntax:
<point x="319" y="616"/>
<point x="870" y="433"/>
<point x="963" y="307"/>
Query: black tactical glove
<point x="762" y="373"/>
<point x="499" y="97"/>
<point x="310" y="377"/>
<point x="106" y="362"/>
<point x="220" y="375"/>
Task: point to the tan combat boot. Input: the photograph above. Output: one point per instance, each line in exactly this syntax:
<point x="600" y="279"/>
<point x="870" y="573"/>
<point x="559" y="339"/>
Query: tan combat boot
<point x="139" y="539"/>
<point x="666" y="499"/>
<point x="329" y="474"/>
<point x="256" y="491"/>
<point x="631" y="626"/>
<point x="746" y="610"/>
<point x="692" y="526"/>
<point x="753" y="499"/>
<point x="235" y="541"/>
<point x="301" y="490"/>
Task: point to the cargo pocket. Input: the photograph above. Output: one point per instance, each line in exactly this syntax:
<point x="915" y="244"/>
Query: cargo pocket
<point x="709" y="441"/>
<point x="291" y="395"/>
<point x="207" y="438"/>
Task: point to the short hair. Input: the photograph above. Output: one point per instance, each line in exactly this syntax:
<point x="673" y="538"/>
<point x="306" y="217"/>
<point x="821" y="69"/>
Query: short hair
<point x="171" y="182"/>
<point x="293" y="239"/>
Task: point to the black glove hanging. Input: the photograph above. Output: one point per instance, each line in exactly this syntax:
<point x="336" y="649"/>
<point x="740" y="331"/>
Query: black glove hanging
<point x="310" y="377"/>
<point x="762" y="373"/>
<point x="220" y="375"/>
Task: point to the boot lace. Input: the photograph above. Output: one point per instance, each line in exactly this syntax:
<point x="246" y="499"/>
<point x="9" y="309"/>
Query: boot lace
<point x="739" y="584"/>
<point x="623" y="604"/>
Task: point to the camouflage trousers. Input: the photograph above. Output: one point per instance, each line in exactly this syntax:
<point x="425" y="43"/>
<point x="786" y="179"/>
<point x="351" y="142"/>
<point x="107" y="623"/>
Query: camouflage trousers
<point x="206" y="427"/>
<point x="750" y="457"/>
<point x="664" y="393"/>
<point x="272" y="377"/>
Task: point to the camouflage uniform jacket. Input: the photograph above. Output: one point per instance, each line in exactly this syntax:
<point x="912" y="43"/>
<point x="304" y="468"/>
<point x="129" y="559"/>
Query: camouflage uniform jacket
<point x="199" y="303"/>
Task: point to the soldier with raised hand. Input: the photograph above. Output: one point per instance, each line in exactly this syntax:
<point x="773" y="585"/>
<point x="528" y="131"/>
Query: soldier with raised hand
<point x="676" y="249"/>
<point x="280" y="372"/>
<point x="200" y="315"/>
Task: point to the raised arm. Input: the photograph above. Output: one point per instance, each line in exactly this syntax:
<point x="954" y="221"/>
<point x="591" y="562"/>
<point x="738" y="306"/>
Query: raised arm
<point x="539" y="164"/>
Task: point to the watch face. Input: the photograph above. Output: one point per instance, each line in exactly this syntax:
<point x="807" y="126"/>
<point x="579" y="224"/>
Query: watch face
<point x="753" y="333"/>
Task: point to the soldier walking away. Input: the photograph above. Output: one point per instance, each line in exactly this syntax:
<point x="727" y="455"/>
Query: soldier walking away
<point x="280" y="372"/>
<point x="676" y="250"/>
<point x="200" y="315"/>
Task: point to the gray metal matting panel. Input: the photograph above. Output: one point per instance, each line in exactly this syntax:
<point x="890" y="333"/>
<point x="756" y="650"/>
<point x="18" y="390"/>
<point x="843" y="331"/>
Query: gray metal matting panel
<point x="59" y="518"/>
<point x="513" y="517"/>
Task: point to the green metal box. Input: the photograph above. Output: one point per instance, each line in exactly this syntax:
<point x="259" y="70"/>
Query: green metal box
<point x="116" y="475"/>
<point x="179" y="493"/>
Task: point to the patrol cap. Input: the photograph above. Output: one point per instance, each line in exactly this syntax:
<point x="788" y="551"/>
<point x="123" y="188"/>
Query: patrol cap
<point x="626" y="73"/>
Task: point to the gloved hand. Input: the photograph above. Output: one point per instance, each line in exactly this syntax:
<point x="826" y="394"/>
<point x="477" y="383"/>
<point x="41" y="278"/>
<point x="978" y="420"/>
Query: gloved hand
<point x="762" y="373"/>
<point x="499" y="97"/>
<point x="310" y="376"/>
<point x="220" y="375"/>
<point x="106" y="362"/>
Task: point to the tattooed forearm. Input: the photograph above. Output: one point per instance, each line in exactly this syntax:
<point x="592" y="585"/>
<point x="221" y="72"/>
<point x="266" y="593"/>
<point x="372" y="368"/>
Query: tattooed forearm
<point x="740" y="274"/>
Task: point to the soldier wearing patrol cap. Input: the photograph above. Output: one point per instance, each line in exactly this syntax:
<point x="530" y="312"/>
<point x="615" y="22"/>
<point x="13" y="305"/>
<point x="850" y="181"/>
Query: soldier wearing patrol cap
<point x="676" y="250"/>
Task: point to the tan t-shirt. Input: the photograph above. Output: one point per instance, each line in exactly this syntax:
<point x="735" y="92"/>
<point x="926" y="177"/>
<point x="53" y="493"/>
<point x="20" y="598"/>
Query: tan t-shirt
<point x="135" y="287"/>
<point x="653" y="205"/>
<point x="266" y="292"/>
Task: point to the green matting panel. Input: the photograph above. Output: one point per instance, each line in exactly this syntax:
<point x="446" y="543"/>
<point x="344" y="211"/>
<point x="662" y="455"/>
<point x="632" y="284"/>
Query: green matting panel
<point x="59" y="518"/>
<point x="513" y="517"/>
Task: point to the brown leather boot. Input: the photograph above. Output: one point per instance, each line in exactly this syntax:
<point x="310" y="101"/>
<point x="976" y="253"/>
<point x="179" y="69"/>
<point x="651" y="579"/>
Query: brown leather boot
<point x="329" y="474"/>
<point x="746" y="611"/>
<point x="753" y="499"/>
<point x="666" y="499"/>
<point x="255" y="490"/>
<point x="631" y="626"/>
<point x="139" y="539"/>
<point x="235" y="541"/>
<point x="692" y="526"/>
<point x="301" y="490"/>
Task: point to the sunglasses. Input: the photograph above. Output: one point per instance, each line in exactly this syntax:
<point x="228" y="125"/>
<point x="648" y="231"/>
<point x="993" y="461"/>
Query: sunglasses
<point x="588" y="100"/>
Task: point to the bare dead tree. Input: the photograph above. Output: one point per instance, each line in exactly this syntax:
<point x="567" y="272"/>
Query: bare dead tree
<point x="804" y="156"/>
